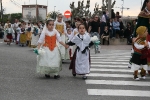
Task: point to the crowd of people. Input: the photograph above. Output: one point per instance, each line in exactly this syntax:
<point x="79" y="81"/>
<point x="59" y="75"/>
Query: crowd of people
<point x="22" y="33"/>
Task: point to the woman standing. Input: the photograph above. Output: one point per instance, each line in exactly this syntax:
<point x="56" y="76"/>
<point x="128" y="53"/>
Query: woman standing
<point x="49" y="62"/>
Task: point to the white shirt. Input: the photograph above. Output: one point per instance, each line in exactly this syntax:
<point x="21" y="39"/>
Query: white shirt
<point x="10" y="30"/>
<point x="103" y="19"/>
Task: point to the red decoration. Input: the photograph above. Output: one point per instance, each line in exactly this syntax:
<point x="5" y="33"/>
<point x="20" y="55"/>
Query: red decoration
<point x="67" y="14"/>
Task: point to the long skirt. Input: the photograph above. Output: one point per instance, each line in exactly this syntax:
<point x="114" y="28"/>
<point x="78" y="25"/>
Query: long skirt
<point x="34" y="41"/>
<point x="80" y="63"/>
<point x="63" y="50"/>
<point x="49" y="62"/>
<point x="29" y="36"/>
<point x="5" y="37"/>
<point x="9" y="36"/>
<point x="23" y="38"/>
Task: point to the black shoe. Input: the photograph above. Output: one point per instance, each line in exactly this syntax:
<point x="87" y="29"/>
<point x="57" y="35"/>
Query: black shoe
<point x="74" y="75"/>
<point x="47" y="76"/>
<point x="56" y="76"/>
<point x="84" y="77"/>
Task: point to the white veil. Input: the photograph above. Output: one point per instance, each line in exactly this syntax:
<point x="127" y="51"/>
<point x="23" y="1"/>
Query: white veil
<point x="56" y="21"/>
<point x="45" y="27"/>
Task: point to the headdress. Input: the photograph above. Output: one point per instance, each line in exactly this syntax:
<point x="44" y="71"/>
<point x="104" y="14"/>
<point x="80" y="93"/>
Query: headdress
<point x="141" y="30"/>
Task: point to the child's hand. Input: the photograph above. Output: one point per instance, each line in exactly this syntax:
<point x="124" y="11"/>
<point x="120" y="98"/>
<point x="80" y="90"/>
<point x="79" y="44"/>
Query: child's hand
<point x="146" y="44"/>
<point x="66" y="46"/>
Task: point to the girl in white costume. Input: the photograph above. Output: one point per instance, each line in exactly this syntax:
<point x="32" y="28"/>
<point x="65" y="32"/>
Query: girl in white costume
<point x="35" y="36"/>
<point x="49" y="57"/>
<point x="60" y="26"/>
<point x="5" y="32"/>
<point x="18" y="30"/>
<point x="80" y="63"/>
<point x="70" y="37"/>
<point x="75" y="31"/>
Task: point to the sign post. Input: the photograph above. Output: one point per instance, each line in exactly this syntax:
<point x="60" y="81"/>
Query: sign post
<point x="67" y="14"/>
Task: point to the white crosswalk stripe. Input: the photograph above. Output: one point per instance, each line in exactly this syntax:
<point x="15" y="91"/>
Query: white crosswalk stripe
<point x="110" y="69"/>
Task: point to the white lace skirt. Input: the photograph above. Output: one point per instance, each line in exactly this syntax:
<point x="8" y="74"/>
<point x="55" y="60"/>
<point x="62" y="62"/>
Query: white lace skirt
<point x="34" y="40"/>
<point x="63" y="50"/>
<point x="49" y="62"/>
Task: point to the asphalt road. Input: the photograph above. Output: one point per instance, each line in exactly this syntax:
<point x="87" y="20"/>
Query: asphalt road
<point x="19" y="81"/>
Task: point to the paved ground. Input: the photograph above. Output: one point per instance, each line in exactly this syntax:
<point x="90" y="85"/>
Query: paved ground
<point x="18" y="80"/>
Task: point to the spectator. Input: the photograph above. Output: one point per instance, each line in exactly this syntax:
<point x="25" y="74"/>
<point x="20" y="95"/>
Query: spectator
<point x="95" y="25"/>
<point x="85" y="23"/>
<point x="128" y="32"/>
<point x="118" y="16"/>
<point x="103" y="22"/>
<point x="112" y="14"/>
<point x="105" y="35"/>
<point x="89" y="23"/>
<point x="133" y="25"/>
<point x="73" y="24"/>
<point x="110" y="27"/>
<point x="94" y="28"/>
<point x="121" y="28"/>
<point x="116" y="27"/>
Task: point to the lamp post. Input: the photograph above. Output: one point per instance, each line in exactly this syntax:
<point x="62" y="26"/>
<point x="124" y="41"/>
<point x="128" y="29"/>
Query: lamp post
<point x="122" y="8"/>
<point x="36" y="11"/>
<point x="109" y="8"/>
<point x="54" y="12"/>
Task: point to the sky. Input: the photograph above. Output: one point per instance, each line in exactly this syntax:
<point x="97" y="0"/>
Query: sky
<point x="63" y="5"/>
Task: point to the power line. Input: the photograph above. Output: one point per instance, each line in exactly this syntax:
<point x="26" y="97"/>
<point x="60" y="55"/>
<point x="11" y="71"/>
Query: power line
<point x="17" y="4"/>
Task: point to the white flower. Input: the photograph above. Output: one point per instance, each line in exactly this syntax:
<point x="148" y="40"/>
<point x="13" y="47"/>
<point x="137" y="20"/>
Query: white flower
<point x="41" y="51"/>
<point x="94" y="38"/>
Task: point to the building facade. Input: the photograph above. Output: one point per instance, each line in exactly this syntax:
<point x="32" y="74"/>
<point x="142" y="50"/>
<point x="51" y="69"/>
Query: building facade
<point x="34" y="12"/>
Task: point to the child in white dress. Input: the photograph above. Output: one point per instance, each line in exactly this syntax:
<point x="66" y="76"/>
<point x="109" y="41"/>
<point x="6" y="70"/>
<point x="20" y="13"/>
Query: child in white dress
<point x="49" y="57"/>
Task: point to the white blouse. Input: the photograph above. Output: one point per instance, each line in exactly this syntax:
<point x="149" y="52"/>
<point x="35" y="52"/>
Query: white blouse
<point x="49" y="33"/>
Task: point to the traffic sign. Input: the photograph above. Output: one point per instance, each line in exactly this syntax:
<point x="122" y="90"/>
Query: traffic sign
<point x="67" y="14"/>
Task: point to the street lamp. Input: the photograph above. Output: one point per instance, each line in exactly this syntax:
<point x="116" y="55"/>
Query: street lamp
<point x="54" y="12"/>
<point x="122" y="8"/>
<point x="54" y="8"/>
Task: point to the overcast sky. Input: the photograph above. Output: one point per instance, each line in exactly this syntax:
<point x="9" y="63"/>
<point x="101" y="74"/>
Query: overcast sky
<point x="63" y="5"/>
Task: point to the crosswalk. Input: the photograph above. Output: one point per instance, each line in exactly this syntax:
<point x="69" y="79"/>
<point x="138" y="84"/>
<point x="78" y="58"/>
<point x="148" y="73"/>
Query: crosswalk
<point x="110" y="76"/>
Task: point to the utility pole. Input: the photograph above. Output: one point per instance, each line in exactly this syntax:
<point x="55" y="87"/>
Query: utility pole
<point x="47" y="5"/>
<point x="36" y="11"/>
<point x="1" y="10"/>
<point x="109" y="8"/>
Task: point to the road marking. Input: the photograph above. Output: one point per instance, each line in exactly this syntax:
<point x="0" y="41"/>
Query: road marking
<point x="109" y="56"/>
<point x="109" y="92"/>
<point x="110" y="75"/>
<point x="110" y="66"/>
<point x="111" y="70"/>
<point x="110" y="60"/>
<point x="109" y="63"/>
<point x="114" y="82"/>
